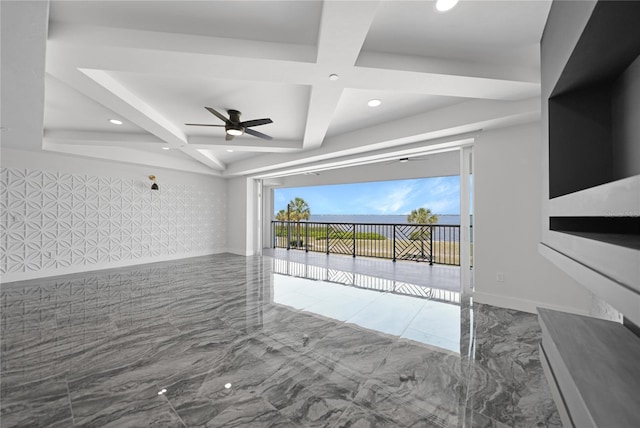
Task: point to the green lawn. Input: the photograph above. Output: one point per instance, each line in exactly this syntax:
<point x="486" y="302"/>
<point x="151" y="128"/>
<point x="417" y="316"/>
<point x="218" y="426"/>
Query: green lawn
<point x="444" y="252"/>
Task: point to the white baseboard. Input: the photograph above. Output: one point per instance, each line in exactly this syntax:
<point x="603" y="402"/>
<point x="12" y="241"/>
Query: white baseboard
<point x="241" y="251"/>
<point x="45" y="273"/>
<point x="523" y="305"/>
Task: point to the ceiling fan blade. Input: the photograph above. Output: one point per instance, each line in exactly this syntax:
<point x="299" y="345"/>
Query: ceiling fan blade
<point x="257" y="134"/>
<point x="256" y="122"/>
<point x="228" y="137"/>
<point x="203" y="124"/>
<point x="218" y="115"/>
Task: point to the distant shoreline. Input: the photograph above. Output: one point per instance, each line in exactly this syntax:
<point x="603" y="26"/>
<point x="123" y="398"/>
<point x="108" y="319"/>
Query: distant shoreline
<point x="375" y="215"/>
<point x="444" y="219"/>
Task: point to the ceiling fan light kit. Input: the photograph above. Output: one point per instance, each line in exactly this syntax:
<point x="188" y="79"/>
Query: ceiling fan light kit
<point x="233" y="127"/>
<point x="235" y="131"/>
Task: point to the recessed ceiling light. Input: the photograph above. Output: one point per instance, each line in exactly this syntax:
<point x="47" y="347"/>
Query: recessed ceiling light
<point x="115" y="121"/>
<point x="445" y="5"/>
<point x="230" y="151"/>
<point x="162" y="391"/>
<point x="374" y="103"/>
<point x="333" y="77"/>
<point x="227" y="385"/>
<point x="165" y="148"/>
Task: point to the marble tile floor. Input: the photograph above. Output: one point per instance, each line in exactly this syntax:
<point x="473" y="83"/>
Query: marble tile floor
<point x="441" y="276"/>
<point x="223" y="341"/>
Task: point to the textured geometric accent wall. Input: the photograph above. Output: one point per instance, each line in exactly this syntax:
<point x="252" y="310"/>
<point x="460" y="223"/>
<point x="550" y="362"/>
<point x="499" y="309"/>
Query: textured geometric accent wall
<point x="55" y="220"/>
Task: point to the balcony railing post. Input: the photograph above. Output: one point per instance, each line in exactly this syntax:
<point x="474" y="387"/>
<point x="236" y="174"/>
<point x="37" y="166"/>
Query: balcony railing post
<point x="421" y="242"/>
<point x="354" y="239"/>
<point x="306" y="237"/>
<point x="394" y="242"/>
<point x="288" y="236"/>
<point x="431" y="245"/>
<point x="459" y="243"/>
<point x="327" y="238"/>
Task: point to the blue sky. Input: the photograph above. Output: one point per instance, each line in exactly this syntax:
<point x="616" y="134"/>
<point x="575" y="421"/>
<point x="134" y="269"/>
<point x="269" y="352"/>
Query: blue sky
<point x="440" y="194"/>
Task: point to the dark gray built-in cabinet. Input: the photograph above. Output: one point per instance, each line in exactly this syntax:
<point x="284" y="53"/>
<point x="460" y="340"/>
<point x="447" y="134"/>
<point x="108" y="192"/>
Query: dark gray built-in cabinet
<point x="590" y="58"/>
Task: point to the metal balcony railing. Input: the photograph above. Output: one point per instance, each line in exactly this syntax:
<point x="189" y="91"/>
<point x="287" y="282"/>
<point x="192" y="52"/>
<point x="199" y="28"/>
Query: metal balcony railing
<point x="439" y="244"/>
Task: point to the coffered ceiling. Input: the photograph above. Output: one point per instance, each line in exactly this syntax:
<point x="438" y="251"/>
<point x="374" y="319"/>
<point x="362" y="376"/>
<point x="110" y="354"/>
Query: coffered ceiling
<point x="155" y="65"/>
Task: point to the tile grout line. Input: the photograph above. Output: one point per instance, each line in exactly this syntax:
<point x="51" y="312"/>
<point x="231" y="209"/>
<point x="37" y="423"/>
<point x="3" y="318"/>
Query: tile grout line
<point x="363" y="308"/>
<point x="413" y="318"/>
<point x="66" y="382"/>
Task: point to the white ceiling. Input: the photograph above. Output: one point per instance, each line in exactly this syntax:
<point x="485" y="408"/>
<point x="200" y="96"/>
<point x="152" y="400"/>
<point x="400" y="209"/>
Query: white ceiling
<point x="156" y="64"/>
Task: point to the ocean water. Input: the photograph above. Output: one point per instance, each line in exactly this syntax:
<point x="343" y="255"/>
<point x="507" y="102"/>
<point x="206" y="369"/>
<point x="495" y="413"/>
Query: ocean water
<point x="445" y="219"/>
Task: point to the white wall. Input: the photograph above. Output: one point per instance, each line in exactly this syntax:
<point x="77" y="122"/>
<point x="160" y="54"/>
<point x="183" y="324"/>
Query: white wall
<point x="242" y="216"/>
<point x="63" y="214"/>
<point x="507" y="205"/>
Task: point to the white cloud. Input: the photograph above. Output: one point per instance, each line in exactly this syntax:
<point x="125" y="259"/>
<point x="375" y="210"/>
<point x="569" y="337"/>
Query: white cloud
<point x="443" y="206"/>
<point x="441" y="195"/>
<point x="390" y="199"/>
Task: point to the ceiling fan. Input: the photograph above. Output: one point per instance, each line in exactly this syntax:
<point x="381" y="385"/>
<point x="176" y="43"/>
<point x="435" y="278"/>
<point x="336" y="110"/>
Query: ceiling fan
<point x="234" y="127"/>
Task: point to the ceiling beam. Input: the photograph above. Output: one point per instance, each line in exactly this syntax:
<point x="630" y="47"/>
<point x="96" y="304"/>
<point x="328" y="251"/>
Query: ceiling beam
<point x="344" y="25"/>
<point x="246" y="145"/>
<point x="91" y="63"/>
<point x="101" y="37"/>
<point x="457" y="67"/>
<point x="453" y="120"/>
<point x="422" y="148"/>
<point x="101" y="87"/>
<point x="137" y="155"/>
<point x="343" y="29"/>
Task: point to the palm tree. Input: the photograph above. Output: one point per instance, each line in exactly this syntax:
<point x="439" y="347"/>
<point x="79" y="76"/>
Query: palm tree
<point x="422" y="216"/>
<point x="282" y="215"/>
<point x="298" y="210"/>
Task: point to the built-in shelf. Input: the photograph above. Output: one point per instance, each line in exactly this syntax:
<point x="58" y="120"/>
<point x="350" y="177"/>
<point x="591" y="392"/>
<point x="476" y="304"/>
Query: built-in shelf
<point x="619" y="239"/>
<point x="623" y="231"/>
<point x="620" y="198"/>
<point x="594" y="369"/>
<point x="601" y="276"/>
<point x="592" y="215"/>
<point x="591" y="219"/>
<point x="618" y="262"/>
<point x="594" y="105"/>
